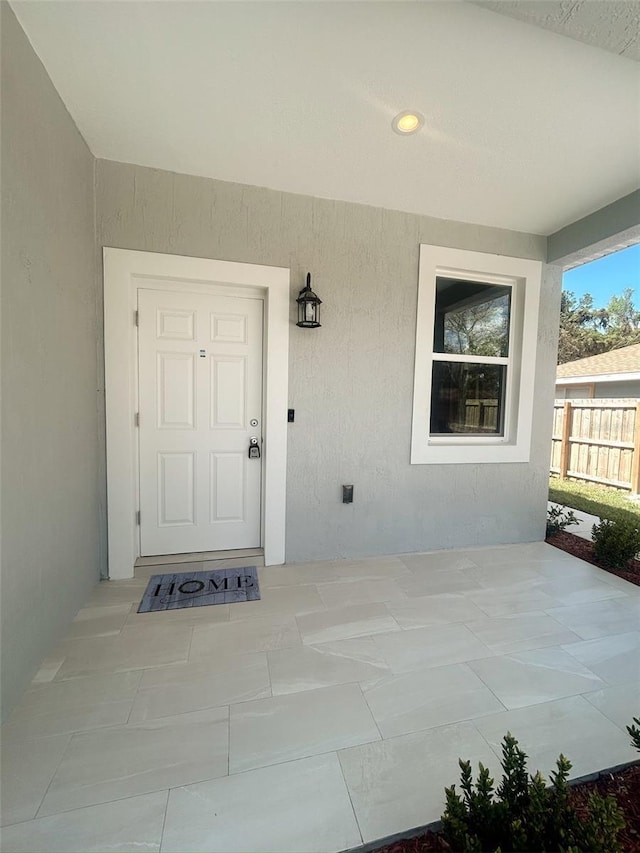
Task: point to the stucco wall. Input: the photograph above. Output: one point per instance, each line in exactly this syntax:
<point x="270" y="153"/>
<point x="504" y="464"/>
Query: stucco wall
<point x="602" y="390"/>
<point x="50" y="536"/>
<point x="630" y="388"/>
<point x="351" y="382"/>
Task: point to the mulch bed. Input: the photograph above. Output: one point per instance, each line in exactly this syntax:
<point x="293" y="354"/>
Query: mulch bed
<point x="623" y="785"/>
<point x="583" y="548"/>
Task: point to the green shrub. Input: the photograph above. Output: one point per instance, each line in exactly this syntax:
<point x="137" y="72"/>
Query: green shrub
<point x="559" y="518"/>
<point x="634" y="731"/>
<point x="523" y="813"/>
<point x="615" y="542"/>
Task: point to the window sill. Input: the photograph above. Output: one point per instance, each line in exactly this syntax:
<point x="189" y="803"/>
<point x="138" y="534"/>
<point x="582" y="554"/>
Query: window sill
<point x="470" y="454"/>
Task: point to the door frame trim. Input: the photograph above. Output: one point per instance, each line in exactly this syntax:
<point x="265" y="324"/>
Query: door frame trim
<point x="123" y="270"/>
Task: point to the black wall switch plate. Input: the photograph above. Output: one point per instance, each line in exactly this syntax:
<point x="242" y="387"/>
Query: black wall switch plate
<point x="347" y="494"/>
<point x="291" y="415"/>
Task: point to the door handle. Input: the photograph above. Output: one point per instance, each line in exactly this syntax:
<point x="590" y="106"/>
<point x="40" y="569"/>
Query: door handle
<point x="254" y="447"/>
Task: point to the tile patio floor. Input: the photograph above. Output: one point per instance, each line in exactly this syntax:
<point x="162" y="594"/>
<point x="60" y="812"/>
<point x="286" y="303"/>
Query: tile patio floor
<point x="328" y="714"/>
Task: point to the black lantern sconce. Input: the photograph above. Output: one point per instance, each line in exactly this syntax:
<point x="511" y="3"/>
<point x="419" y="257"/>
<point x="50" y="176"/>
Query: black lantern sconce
<point x="308" y="307"/>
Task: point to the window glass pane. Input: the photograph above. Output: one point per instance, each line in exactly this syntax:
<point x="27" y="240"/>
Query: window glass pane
<point x="472" y="318"/>
<point x="467" y="399"/>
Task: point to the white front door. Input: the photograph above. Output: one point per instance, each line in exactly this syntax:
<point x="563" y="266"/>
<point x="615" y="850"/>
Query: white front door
<point x="200" y="396"/>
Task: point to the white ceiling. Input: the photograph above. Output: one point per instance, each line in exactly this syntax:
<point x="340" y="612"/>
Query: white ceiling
<point x="525" y="129"/>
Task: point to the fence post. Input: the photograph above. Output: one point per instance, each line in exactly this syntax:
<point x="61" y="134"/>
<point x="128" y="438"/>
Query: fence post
<point x="635" y="465"/>
<point x="567" y="419"/>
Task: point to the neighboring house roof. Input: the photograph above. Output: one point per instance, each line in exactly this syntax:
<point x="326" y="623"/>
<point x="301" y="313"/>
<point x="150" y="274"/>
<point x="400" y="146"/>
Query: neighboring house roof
<point x="623" y="363"/>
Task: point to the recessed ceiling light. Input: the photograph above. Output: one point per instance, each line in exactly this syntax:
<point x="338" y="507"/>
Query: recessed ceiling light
<point x="406" y="122"/>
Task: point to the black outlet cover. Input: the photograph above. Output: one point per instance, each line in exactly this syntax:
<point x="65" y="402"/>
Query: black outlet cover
<point x="291" y="415"/>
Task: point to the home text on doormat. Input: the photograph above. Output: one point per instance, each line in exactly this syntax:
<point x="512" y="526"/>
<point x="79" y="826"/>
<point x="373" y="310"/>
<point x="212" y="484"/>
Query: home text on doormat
<point x="195" y="589"/>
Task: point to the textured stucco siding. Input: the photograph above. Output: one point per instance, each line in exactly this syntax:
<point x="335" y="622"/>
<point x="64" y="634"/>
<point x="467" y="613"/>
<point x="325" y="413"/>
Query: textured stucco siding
<point x="351" y="382"/>
<point x="601" y="390"/>
<point x="50" y="446"/>
<point x="630" y="388"/>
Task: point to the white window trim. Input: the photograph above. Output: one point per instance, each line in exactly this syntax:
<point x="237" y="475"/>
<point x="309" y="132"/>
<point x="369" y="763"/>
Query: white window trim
<point x="525" y="276"/>
<point x="124" y="273"/>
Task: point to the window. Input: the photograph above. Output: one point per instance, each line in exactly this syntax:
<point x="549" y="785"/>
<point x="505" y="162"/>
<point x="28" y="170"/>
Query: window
<point x="475" y="357"/>
<point x="579" y="392"/>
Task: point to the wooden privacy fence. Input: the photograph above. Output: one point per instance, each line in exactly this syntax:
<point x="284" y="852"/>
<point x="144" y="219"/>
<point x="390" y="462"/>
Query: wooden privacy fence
<point x="481" y="415"/>
<point x="598" y="441"/>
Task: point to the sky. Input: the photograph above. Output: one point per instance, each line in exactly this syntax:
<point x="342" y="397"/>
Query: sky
<point x="606" y="277"/>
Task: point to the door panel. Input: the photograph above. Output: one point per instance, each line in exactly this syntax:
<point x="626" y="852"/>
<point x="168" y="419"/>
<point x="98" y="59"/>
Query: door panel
<point x="227" y="486"/>
<point x="228" y="384"/>
<point x="176" y="488"/>
<point x="176" y="375"/>
<point x="200" y="385"/>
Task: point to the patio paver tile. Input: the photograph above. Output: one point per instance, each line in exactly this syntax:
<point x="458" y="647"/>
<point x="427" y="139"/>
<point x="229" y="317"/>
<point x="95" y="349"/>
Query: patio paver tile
<point x="615" y="659"/>
<point x="541" y="675"/>
<point x="398" y="784"/>
<point x="134" y="823"/>
<point x="347" y="593"/>
<point x="429" y="698"/>
<point x="571" y="726"/>
<point x="78" y="704"/>
<point x="255" y="811"/>
<point x="438" y="561"/>
<point x="503" y="601"/>
<point x="521" y="632"/>
<point x="514" y="578"/>
<point x="182" y="616"/>
<point x="598" y="618"/>
<point x="223" y="680"/>
<point x="438" y="582"/>
<point x="133" y="648"/>
<point x="298" y="725"/>
<point x="420" y="648"/>
<point x="282" y="602"/>
<point x="26" y="770"/>
<point x="620" y="703"/>
<point x="242" y="637"/>
<point x="360" y="620"/>
<point x="574" y="590"/>
<point x="337" y="571"/>
<point x="519" y="554"/>
<point x="429" y="610"/>
<point x="101" y="621"/>
<point x="125" y="761"/>
<point x="314" y="667"/>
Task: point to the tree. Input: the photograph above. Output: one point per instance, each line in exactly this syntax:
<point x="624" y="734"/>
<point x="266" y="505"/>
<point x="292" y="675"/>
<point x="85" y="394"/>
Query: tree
<point x="586" y="330"/>
<point x="623" y="321"/>
<point x="581" y="327"/>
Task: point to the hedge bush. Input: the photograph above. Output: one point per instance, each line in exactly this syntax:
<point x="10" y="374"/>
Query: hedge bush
<point x="615" y="542"/>
<point x="523" y="813"/>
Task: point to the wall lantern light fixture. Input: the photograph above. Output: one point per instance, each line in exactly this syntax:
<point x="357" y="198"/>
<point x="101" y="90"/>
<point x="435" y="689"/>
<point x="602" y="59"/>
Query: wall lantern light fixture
<point x="308" y="307"/>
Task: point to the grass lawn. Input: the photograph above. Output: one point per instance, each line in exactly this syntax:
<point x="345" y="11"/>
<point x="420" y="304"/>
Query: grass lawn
<point x="597" y="500"/>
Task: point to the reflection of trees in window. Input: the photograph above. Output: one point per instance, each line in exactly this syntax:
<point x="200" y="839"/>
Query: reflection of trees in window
<point x="480" y="329"/>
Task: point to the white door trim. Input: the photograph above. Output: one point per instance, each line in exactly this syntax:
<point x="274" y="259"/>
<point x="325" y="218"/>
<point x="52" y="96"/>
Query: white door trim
<point x="123" y="271"/>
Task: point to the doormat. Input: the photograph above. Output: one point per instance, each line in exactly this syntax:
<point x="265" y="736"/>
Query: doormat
<point x="195" y="589"/>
